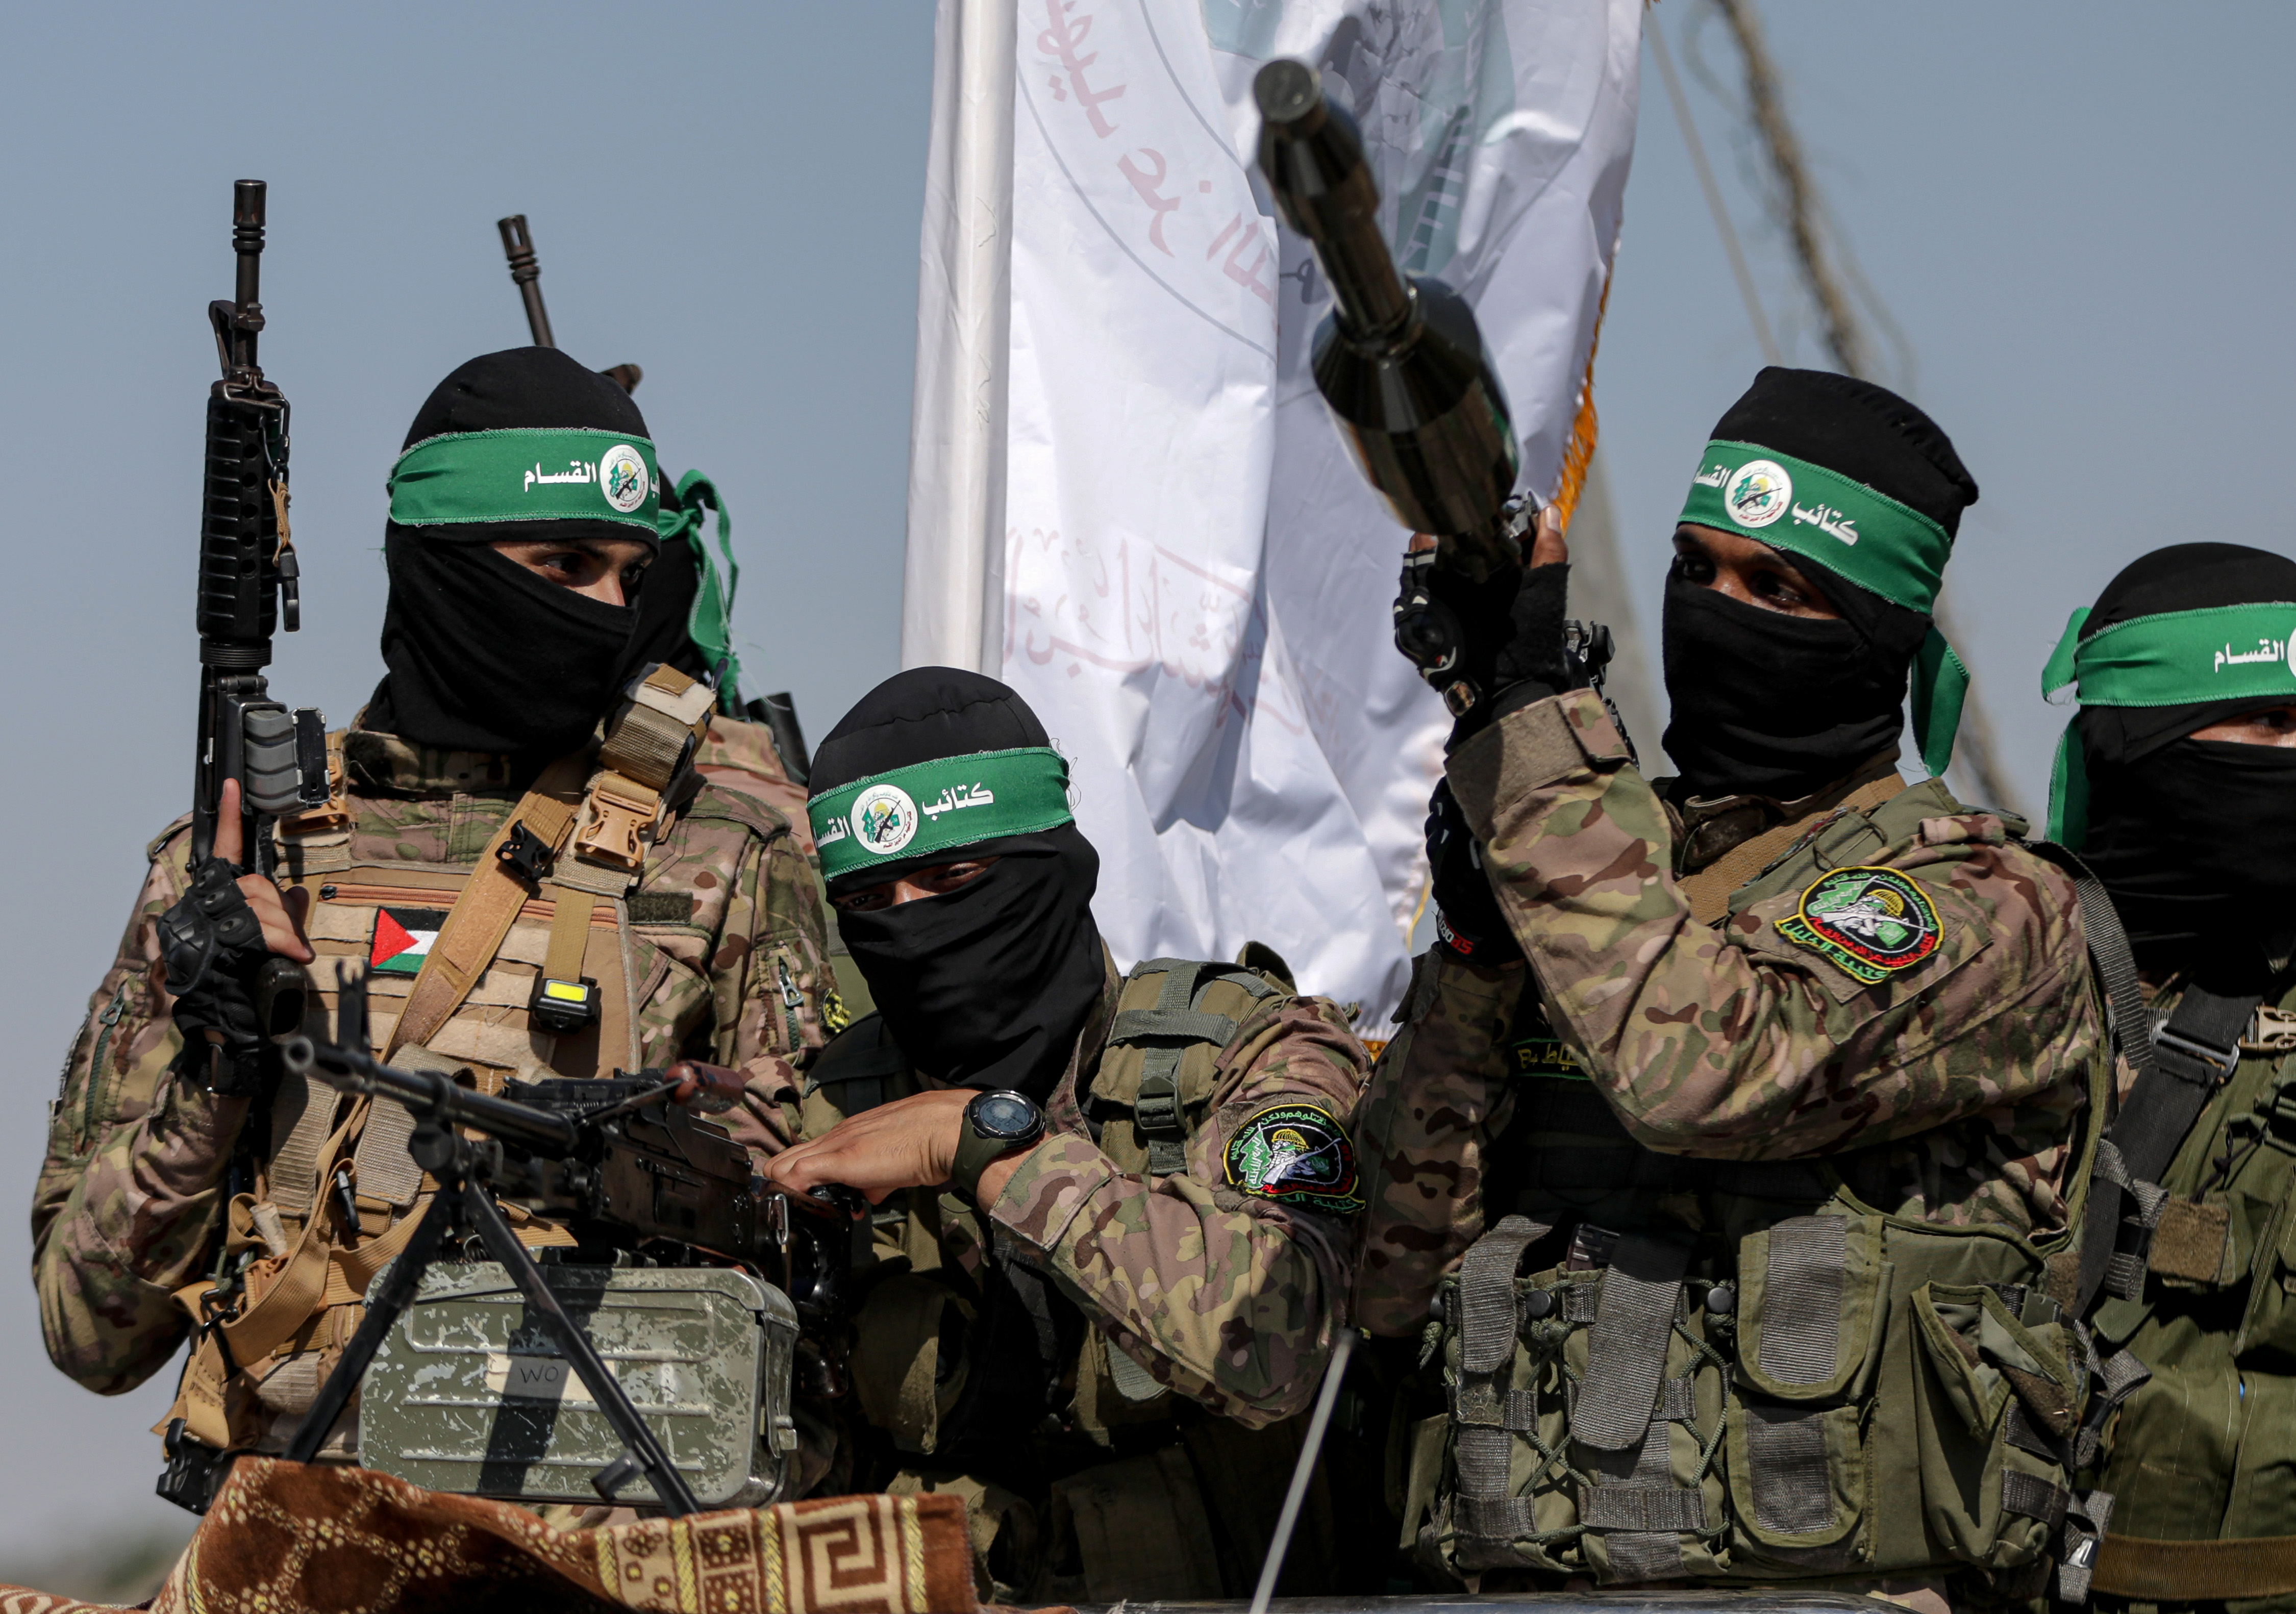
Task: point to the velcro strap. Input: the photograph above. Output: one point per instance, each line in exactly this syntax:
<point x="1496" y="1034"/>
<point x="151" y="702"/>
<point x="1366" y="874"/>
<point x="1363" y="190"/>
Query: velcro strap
<point x="1481" y="1456"/>
<point x="1491" y="1518"/>
<point x="1156" y="1112"/>
<point x="2034" y="1497"/>
<point x="1488" y="1320"/>
<point x="1801" y="1299"/>
<point x="1677" y="1401"/>
<point x="2188" y="1572"/>
<point x="1482" y="1405"/>
<point x="1643" y="1508"/>
<point x="1190" y="1025"/>
<point x="384" y="1170"/>
<point x="649" y="740"/>
<point x="2086" y="1523"/>
<point x="1785" y="1456"/>
<point x="570" y="934"/>
<point x="1626" y="1355"/>
<point x="303" y="1113"/>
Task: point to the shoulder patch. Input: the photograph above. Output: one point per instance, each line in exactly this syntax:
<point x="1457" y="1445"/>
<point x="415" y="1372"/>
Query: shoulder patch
<point x="1872" y="922"/>
<point x="1298" y="1154"/>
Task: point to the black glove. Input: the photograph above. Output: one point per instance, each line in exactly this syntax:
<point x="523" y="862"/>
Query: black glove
<point x="1467" y="912"/>
<point x="212" y="945"/>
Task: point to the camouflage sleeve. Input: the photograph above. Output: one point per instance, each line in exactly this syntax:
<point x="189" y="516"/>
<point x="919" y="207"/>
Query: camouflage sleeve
<point x="1437" y="1097"/>
<point x="1763" y="1038"/>
<point x="131" y="1188"/>
<point x="1229" y="1297"/>
<point x="775" y="995"/>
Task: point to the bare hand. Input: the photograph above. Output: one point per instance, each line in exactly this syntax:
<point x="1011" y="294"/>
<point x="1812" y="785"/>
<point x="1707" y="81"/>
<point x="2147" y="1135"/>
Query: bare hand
<point x="1546" y="543"/>
<point x="280" y="914"/>
<point x="910" y="1142"/>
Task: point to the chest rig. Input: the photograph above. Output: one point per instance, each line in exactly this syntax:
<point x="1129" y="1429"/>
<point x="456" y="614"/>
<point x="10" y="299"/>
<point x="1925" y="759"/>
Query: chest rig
<point x="1666" y="1368"/>
<point x="971" y="1346"/>
<point x="525" y="972"/>
<point x="2202" y="1287"/>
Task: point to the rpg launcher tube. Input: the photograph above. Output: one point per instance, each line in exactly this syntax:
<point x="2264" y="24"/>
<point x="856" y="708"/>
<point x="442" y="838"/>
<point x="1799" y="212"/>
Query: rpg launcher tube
<point x="1399" y="361"/>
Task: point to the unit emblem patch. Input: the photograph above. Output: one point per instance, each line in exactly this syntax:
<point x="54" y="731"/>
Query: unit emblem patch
<point x="1872" y="923"/>
<point x="1298" y="1153"/>
<point x="402" y="939"/>
<point x="622" y="478"/>
<point x="884" y="818"/>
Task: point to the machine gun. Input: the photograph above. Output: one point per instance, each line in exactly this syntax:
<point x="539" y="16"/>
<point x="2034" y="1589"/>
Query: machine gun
<point x="1401" y="364"/>
<point x="640" y="1180"/>
<point x="249" y="581"/>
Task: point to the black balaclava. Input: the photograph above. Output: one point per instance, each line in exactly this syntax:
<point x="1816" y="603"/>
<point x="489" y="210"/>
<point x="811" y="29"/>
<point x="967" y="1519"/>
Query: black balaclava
<point x="1771" y="705"/>
<point x="987" y="986"/>
<point x="483" y="655"/>
<point x="2195" y="839"/>
<point x="664" y="606"/>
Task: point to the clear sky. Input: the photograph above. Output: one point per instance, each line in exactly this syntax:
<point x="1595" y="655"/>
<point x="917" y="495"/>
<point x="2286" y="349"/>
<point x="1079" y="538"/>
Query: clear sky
<point x="2078" y="214"/>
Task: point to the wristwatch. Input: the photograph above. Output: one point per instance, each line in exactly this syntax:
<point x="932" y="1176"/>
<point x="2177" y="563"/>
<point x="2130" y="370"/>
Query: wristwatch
<point x="996" y="1125"/>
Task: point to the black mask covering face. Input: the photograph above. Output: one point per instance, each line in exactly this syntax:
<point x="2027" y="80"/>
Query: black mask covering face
<point x="991" y="984"/>
<point x="486" y="656"/>
<point x="1770" y="705"/>
<point x="2195" y="839"/>
<point x="988" y="986"/>
<point x="2199" y="843"/>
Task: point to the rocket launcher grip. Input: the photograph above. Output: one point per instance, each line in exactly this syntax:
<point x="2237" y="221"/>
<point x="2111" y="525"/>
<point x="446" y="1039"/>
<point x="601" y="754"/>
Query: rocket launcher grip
<point x="1400" y="362"/>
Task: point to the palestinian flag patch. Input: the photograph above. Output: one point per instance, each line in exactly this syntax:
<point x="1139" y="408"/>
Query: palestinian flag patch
<point x="402" y="939"/>
<point x="1872" y="923"/>
<point x="1298" y="1154"/>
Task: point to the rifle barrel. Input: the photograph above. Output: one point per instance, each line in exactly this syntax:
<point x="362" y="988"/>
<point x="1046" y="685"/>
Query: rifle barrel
<point x="525" y="273"/>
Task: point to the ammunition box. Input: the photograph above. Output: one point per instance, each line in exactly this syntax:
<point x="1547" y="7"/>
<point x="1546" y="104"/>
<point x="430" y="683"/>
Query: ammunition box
<point x="468" y="1396"/>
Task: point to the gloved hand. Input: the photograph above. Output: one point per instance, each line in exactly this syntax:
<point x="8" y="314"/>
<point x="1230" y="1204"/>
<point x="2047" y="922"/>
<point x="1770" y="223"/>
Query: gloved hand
<point x="1467" y="912"/>
<point x="1504" y="634"/>
<point x="212" y="946"/>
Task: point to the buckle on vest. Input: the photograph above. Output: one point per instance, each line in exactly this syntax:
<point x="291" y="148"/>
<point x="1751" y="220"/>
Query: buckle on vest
<point x="621" y="815"/>
<point x="564" y="1007"/>
<point x="527" y="853"/>
<point x="2222" y="1061"/>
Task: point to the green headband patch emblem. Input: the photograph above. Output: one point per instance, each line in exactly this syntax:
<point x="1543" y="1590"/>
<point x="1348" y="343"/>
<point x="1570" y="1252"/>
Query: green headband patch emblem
<point x="1854" y="531"/>
<point x="2172" y="658"/>
<point x="938" y="806"/>
<point x="527" y="475"/>
<point x="1871" y="922"/>
<point x="1297" y="1154"/>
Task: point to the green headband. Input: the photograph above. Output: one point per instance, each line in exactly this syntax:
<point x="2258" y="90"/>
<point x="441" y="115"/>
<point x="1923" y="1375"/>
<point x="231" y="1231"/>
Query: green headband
<point x="1858" y="534"/>
<point x="938" y="807"/>
<point x="2174" y="658"/>
<point x="570" y="474"/>
<point x="711" y="623"/>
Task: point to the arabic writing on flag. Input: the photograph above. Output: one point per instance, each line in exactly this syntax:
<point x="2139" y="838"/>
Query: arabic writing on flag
<point x="1192" y="582"/>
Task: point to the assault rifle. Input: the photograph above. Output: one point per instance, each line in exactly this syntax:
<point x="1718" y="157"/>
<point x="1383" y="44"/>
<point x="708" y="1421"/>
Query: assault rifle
<point x="1402" y="367"/>
<point x="635" y="1172"/>
<point x="247" y="581"/>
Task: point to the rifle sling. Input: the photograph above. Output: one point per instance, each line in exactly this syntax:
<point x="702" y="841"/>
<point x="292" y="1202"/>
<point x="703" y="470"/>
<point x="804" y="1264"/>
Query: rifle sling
<point x="488" y="906"/>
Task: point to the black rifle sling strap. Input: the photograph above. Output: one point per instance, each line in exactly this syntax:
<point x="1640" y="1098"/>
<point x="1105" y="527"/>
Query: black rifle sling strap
<point x="2177" y="1067"/>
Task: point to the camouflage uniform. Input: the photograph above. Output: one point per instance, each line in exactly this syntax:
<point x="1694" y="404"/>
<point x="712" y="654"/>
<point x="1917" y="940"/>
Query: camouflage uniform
<point x="1960" y="1080"/>
<point x="1074" y="1413"/>
<point x="724" y="959"/>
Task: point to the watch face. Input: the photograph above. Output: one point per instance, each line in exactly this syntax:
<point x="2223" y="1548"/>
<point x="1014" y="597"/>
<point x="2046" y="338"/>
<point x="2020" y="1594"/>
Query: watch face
<point x="1005" y="1115"/>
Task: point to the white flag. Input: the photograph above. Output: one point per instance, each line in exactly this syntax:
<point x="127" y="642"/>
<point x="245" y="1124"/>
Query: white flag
<point x="1194" y="586"/>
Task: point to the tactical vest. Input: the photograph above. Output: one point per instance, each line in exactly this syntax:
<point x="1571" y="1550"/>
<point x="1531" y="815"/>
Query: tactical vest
<point x="1744" y="1371"/>
<point x="484" y="966"/>
<point x="970" y="1361"/>
<point x="2198" y="1456"/>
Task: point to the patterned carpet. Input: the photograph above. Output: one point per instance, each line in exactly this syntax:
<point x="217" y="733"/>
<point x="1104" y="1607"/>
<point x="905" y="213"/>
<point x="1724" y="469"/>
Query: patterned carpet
<point x="283" y="1539"/>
